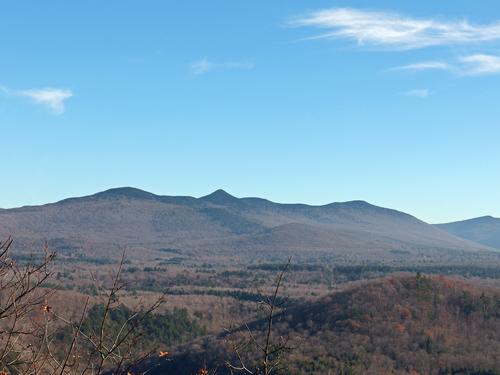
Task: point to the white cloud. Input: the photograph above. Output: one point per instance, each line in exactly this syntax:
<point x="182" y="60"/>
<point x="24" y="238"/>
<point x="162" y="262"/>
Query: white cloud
<point x="471" y="65"/>
<point x="204" y="66"/>
<point x="395" y="31"/>
<point x="475" y="65"/>
<point x="418" y="93"/>
<point x="425" y="65"/>
<point x="52" y="98"/>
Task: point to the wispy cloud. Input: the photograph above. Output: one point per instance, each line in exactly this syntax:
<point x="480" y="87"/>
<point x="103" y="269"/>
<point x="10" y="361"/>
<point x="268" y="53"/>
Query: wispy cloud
<point x="425" y="65"/>
<point x="393" y="30"/>
<point x="418" y="93"/>
<point x="470" y="65"/>
<point x="475" y="65"/>
<point x="204" y="66"/>
<point x="52" y="98"/>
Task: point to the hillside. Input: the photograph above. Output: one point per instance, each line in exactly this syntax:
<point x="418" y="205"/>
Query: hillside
<point x="104" y="223"/>
<point x="484" y="230"/>
<point x="398" y="325"/>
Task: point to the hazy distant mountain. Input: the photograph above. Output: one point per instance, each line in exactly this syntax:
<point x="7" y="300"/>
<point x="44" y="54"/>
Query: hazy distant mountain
<point x="132" y="218"/>
<point x="484" y="230"/>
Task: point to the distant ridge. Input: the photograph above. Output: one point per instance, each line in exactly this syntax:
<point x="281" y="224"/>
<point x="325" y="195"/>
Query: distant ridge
<point x="484" y="230"/>
<point x="222" y="223"/>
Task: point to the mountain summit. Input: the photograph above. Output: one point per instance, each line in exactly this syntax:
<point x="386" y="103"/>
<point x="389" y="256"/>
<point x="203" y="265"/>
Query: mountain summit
<point x="220" y="197"/>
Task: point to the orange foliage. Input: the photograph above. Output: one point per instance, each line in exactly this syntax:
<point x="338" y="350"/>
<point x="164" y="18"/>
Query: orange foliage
<point x="400" y="328"/>
<point x="429" y="333"/>
<point x="355" y="324"/>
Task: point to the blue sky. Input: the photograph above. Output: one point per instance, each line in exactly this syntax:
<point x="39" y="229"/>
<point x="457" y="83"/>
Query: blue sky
<point x="392" y="102"/>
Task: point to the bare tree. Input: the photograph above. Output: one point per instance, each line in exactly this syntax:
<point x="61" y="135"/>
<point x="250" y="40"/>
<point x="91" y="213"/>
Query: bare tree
<point x="99" y="348"/>
<point x="29" y="325"/>
<point x="21" y="297"/>
<point x="271" y="350"/>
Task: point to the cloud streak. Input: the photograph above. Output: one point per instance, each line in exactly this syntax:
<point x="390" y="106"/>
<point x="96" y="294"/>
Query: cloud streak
<point x="471" y="65"/>
<point x="425" y="65"/>
<point x="394" y="31"/>
<point x="476" y="65"/>
<point x="52" y="98"/>
<point x="204" y="66"/>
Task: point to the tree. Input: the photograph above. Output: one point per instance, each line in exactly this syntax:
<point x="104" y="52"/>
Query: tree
<point x="29" y="325"/>
<point x="271" y="350"/>
<point x="21" y="297"/>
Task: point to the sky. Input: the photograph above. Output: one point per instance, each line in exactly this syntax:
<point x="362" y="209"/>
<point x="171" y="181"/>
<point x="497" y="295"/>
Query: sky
<point x="396" y="103"/>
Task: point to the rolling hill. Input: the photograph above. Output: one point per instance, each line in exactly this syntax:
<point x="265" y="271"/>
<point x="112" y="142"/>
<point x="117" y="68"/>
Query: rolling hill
<point x="484" y="230"/>
<point x="405" y="325"/>
<point x="107" y="222"/>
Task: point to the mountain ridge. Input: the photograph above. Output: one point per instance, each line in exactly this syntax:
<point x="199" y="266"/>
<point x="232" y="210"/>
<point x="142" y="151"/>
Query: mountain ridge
<point x="132" y="192"/>
<point x="221" y="222"/>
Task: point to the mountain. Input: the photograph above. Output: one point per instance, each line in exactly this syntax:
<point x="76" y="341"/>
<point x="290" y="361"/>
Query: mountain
<point x="484" y="230"/>
<point x="107" y="222"/>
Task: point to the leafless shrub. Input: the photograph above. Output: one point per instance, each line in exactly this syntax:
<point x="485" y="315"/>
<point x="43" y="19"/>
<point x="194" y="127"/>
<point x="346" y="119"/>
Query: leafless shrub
<point x="29" y="325"/>
<point x="270" y="350"/>
<point x="21" y="298"/>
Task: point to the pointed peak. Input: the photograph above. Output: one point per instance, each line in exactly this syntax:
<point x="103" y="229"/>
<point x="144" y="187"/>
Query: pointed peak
<point x="220" y="197"/>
